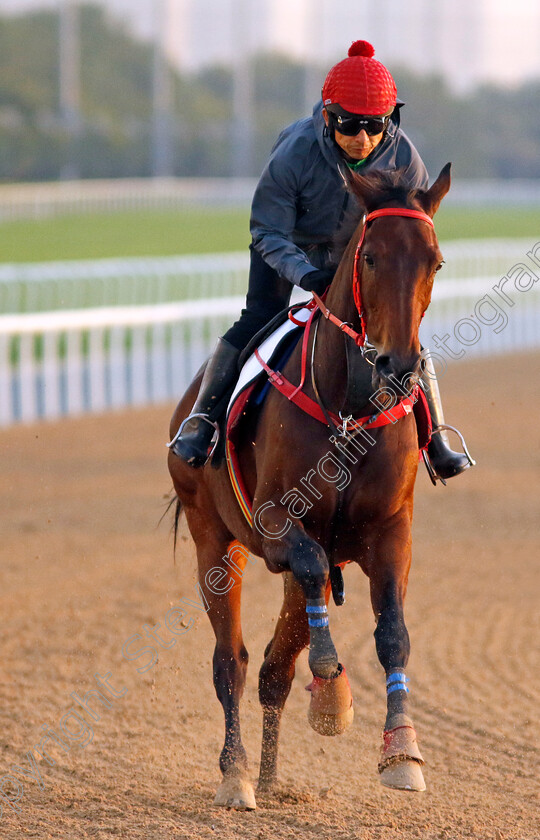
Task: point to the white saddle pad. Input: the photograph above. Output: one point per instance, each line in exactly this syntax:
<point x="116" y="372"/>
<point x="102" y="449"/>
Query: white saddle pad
<point x="252" y="367"/>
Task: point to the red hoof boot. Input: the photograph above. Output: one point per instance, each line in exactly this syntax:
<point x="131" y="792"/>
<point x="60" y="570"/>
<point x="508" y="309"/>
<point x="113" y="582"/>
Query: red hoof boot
<point x="331" y="706"/>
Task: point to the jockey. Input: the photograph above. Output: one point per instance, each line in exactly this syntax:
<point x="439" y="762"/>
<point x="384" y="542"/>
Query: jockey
<point x="299" y="206"/>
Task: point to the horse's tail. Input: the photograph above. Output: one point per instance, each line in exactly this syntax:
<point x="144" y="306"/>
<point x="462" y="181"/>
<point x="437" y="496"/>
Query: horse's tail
<point x="177" y="514"/>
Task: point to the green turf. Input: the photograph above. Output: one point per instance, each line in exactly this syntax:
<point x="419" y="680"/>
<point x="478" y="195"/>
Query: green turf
<point x="158" y="233"/>
<point x="486" y="223"/>
<point x="130" y="234"/>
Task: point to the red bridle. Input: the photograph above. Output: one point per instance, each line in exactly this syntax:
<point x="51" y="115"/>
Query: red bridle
<point x="296" y="395"/>
<point x="376" y="214"/>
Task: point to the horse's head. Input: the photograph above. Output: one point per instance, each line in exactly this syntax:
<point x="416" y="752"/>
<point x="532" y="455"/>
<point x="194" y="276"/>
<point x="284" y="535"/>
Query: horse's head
<point x="396" y="256"/>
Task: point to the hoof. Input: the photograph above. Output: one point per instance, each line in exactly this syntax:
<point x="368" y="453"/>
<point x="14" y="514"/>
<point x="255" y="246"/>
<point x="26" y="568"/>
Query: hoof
<point x="331" y="707"/>
<point x="403" y="775"/>
<point x="401" y="759"/>
<point x="236" y="793"/>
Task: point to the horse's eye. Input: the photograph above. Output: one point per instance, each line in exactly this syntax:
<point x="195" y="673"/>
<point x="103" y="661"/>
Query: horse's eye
<point x="440" y="265"/>
<point x="369" y="261"/>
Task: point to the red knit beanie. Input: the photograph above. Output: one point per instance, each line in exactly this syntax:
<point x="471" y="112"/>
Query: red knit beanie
<point x="360" y="84"/>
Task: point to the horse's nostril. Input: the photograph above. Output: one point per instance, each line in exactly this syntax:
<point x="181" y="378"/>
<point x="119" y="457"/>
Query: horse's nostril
<point x="383" y="366"/>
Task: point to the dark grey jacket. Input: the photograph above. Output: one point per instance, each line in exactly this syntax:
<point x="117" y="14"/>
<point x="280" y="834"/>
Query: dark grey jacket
<point x="300" y="201"/>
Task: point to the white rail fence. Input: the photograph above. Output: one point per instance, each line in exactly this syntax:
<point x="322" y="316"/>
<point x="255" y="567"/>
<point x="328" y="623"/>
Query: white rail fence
<point x="80" y="361"/>
<point x="69" y="362"/>
<point x="468" y="318"/>
<point x="60" y="198"/>
<point x="43" y="287"/>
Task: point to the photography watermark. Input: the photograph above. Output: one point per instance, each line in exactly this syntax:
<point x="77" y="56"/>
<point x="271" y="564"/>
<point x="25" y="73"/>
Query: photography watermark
<point x="71" y="731"/>
<point x="330" y="469"/>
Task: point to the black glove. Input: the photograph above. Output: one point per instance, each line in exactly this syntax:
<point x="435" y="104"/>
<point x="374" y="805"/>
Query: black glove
<point x="317" y="280"/>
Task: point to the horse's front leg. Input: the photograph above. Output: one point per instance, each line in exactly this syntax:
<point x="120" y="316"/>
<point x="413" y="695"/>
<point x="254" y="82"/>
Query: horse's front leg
<point x="291" y="548"/>
<point x="401" y="760"/>
<point x="330" y="709"/>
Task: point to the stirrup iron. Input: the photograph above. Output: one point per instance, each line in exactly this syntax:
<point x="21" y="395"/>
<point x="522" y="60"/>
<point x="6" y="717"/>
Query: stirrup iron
<point x="445" y="427"/>
<point x="215" y="437"/>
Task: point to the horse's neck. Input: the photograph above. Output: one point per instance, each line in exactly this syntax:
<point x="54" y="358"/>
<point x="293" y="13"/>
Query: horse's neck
<point x="344" y="383"/>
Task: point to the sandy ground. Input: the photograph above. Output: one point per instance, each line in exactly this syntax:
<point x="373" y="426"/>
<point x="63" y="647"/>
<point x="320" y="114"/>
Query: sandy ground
<point x="85" y="564"/>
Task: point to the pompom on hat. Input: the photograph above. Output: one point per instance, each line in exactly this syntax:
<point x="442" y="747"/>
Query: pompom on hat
<point x="360" y="84"/>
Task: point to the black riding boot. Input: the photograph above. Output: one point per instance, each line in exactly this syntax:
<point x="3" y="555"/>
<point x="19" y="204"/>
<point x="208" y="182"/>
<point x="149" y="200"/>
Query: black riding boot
<point x="194" y="438"/>
<point x="443" y="462"/>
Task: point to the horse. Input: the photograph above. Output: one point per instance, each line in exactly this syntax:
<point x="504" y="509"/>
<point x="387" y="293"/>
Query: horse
<point x="308" y="530"/>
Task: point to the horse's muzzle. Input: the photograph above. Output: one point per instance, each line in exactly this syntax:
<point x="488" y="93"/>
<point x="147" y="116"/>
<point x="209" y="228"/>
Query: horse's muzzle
<point x="396" y="374"/>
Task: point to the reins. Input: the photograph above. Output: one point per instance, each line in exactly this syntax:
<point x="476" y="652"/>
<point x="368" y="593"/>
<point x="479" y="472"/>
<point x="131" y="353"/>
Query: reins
<point x="319" y="412"/>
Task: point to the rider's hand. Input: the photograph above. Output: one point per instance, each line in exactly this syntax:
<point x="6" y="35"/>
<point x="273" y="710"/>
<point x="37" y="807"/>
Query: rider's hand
<point x="317" y="280"/>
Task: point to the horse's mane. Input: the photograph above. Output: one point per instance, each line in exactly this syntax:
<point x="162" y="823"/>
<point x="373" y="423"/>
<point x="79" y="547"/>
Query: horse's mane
<point x="372" y="191"/>
<point x="378" y="188"/>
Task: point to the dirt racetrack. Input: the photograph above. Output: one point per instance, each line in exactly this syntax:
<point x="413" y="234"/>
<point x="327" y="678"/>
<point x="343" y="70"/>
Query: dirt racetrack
<point x="85" y="565"/>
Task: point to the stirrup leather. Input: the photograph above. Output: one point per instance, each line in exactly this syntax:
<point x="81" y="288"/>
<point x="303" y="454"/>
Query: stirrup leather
<point x="433" y="475"/>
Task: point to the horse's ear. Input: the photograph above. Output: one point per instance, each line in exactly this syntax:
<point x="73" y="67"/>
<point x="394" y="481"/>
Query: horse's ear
<point x="431" y="198"/>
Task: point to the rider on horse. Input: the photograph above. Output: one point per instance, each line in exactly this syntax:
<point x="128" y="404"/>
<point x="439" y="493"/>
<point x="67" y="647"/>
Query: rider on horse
<point x="300" y="204"/>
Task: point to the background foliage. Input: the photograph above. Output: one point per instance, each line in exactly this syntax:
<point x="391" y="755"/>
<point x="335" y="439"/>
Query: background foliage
<point x="490" y="133"/>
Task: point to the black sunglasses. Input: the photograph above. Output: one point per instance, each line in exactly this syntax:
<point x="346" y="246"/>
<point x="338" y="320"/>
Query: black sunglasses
<point x="350" y="126"/>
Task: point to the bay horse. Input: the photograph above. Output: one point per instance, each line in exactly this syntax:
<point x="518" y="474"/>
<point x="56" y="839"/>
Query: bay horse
<point x="362" y="513"/>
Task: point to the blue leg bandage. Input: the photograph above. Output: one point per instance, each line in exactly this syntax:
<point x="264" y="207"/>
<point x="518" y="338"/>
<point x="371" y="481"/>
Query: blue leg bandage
<point x="317" y="615"/>
<point x="397" y="682"/>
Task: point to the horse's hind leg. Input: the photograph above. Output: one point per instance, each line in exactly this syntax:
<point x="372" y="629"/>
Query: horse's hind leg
<point x="291" y="636"/>
<point x="221" y="585"/>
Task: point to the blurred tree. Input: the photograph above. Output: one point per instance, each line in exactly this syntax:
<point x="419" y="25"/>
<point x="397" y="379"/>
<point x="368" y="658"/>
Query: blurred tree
<point x="492" y="132"/>
<point x="435" y="120"/>
<point x="510" y="129"/>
